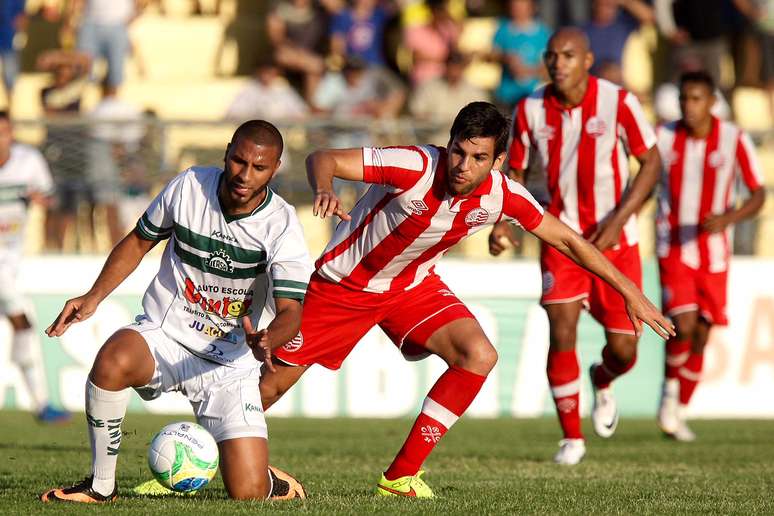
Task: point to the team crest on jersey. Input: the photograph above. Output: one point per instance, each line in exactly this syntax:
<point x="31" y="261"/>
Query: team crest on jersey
<point x="595" y="127"/>
<point x="418" y="206"/>
<point x="221" y="261"/>
<point x="716" y="159"/>
<point x="546" y="133"/>
<point x="476" y="217"/>
<point x="295" y="344"/>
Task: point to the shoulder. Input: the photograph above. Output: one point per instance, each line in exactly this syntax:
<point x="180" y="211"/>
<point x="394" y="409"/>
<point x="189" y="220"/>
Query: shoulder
<point x="24" y="151"/>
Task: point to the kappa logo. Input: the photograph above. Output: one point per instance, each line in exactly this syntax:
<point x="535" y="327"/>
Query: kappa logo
<point x="566" y="405"/>
<point x="445" y="292"/>
<point x="546" y="132"/>
<point x="431" y="434"/>
<point x="418" y="206"/>
<point x="476" y="217"/>
<point x="595" y="127"/>
<point x="716" y="159"/>
<point x="221" y="261"/>
<point x="295" y="344"/>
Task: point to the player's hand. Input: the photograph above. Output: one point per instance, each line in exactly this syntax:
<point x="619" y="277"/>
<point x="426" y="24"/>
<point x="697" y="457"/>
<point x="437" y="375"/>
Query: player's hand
<point x="501" y="234"/>
<point x="607" y="234"/>
<point x="75" y="310"/>
<point x="258" y="342"/>
<point x="327" y="204"/>
<point x="641" y="310"/>
<point x="716" y="223"/>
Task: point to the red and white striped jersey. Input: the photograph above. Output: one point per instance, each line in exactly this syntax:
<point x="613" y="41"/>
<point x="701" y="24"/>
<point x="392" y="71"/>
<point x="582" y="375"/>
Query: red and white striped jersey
<point x="584" y="151"/>
<point x="698" y="180"/>
<point x="407" y="219"/>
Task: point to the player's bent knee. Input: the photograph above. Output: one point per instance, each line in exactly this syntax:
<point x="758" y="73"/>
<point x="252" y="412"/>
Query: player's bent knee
<point x="121" y="363"/>
<point x="478" y="356"/>
<point x="563" y="338"/>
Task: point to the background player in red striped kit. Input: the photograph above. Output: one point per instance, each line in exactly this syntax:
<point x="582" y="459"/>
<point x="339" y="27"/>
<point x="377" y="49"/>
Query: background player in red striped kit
<point x="703" y="159"/>
<point x="379" y="270"/>
<point x="584" y="129"/>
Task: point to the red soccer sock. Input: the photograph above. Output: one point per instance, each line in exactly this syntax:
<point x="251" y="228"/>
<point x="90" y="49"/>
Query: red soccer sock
<point x="677" y="352"/>
<point x="610" y="368"/>
<point x="690" y="373"/>
<point x="451" y="395"/>
<point x="564" y="379"/>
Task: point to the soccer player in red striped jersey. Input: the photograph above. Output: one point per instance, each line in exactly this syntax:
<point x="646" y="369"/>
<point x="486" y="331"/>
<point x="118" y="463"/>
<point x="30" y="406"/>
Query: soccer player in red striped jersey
<point x="379" y="269"/>
<point x="584" y="130"/>
<point x="703" y="159"/>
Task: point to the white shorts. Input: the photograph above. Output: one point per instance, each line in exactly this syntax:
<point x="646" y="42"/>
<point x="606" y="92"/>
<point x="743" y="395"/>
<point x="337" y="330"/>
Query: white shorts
<point x="226" y="400"/>
<point x="11" y="301"/>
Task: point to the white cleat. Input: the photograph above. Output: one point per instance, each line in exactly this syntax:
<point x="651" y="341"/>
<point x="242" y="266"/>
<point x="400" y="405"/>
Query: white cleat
<point x="571" y="451"/>
<point x="668" y="420"/>
<point x="604" y="413"/>
<point x="683" y="433"/>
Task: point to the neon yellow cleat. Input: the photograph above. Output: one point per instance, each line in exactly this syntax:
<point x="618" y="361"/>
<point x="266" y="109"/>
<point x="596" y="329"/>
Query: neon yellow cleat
<point x="153" y="488"/>
<point x="405" y="486"/>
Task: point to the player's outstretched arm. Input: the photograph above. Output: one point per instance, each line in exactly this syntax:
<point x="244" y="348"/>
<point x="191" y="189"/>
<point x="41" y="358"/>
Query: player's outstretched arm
<point x="321" y="167"/>
<point x="609" y="230"/>
<point x="122" y="261"/>
<point x="281" y="330"/>
<point x="557" y="234"/>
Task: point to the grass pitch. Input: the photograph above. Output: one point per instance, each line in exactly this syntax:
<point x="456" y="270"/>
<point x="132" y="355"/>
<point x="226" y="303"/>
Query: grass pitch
<point x="482" y="466"/>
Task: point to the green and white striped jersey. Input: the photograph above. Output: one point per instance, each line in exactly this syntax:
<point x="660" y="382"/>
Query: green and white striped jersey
<point x="217" y="268"/>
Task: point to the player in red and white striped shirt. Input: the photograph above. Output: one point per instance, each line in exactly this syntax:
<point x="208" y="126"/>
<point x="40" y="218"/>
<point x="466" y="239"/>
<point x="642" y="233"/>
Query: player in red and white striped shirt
<point x="584" y="129"/>
<point x="378" y="269"/>
<point x="703" y="159"/>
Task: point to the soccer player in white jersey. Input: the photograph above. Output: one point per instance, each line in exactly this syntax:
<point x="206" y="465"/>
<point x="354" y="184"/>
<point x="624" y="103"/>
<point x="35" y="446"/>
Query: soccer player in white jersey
<point x="584" y="129"/>
<point x="236" y="260"/>
<point x="703" y="157"/>
<point x="379" y="269"/>
<point x="24" y="178"/>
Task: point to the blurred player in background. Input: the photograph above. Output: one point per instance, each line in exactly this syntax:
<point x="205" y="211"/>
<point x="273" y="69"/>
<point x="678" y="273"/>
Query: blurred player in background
<point x="378" y="269"/>
<point x="703" y="158"/>
<point x="236" y="259"/>
<point x="24" y="178"/>
<point x="584" y="129"/>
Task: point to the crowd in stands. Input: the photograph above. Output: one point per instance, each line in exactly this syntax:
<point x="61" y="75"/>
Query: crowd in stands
<point x="372" y="59"/>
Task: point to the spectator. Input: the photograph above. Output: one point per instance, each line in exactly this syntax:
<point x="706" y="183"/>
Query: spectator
<point x="439" y="100"/>
<point x="559" y="13"/>
<point x="63" y="147"/>
<point x="360" y="91"/>
<point x="518" y="45"/>
<point x="358" y="31"/>
<point x="268" y="95"/>
<point x="116" y="131"/>
<point x="298" y="32"/>
<point x="611" y="24"/>
<point x="431" y="43"/>
<point x="12" y="21"/>
<point x="104" y="32"/>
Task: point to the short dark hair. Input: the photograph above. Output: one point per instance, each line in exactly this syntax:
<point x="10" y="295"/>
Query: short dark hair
<point x="481" y="120"/>
<point x="698" y="77"/>
<point x="260" y="132"/>
<point x="5" y="115"/>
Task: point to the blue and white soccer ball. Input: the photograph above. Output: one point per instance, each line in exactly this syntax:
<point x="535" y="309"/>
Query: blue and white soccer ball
<point x="183" y="457"/>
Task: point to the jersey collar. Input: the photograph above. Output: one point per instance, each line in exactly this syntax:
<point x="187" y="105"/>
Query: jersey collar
<point x="588" y="97"/>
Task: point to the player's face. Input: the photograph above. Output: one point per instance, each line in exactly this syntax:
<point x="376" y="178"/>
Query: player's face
<point x="249" y="168"/>
<point x="696" y="102"/>
<point x="568" y="63"/>
<point x="470" y="161"/>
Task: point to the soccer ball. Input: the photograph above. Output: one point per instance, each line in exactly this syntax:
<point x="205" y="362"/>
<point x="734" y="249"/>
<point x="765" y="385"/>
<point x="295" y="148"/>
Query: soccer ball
<point x="183" y="457"/>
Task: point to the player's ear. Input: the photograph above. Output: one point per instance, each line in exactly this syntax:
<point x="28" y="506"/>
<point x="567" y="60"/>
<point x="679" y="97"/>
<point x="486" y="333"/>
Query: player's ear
<point x="499" y="160"/>
<point x="225" y="155"/>
<point x="589" y="60"/>
<point x="276" y="168"/>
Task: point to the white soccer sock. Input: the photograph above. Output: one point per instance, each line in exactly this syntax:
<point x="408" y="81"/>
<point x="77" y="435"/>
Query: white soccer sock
<point x="105" y="411"/>
<point x="25" y="353"/>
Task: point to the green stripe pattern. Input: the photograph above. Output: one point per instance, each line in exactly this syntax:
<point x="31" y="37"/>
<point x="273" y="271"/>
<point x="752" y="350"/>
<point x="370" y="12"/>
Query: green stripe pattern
<point x="150" y="231"/>
<point x="289" y="289"/>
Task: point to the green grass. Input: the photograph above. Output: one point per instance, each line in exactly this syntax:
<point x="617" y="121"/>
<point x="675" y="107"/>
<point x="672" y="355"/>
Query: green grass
<point x="483" y="466"/>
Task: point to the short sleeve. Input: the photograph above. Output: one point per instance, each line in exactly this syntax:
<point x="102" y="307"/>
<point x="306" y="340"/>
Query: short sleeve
<point x="397" y="167"/>
<point x="290" y="265"/>
<point x="639" y="133"/>
<point x="518" y="155"/>
<point x="747" y="165"/>
<point x="40" y="176"/>
<point x="520" y="206"/>
<point x="499" y="42"/>
<point x="157" y="223"/>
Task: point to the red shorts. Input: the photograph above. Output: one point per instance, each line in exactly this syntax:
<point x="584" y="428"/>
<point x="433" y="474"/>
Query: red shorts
<point x="684" y="289"/>
<point x="565" y="281"/>
<point x="335" y="318"/>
